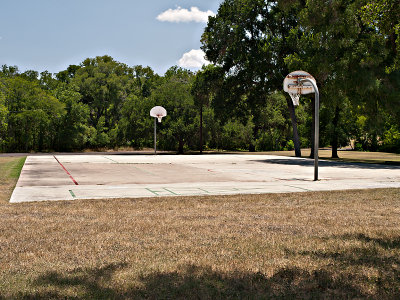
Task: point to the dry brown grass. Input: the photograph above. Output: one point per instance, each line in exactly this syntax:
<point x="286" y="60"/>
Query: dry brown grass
<point x="306" y="245"/>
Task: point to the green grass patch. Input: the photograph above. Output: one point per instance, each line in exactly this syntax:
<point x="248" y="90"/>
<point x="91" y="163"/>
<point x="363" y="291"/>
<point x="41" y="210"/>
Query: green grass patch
<point x="15" y="169"/>
<point x="10" y="169"/>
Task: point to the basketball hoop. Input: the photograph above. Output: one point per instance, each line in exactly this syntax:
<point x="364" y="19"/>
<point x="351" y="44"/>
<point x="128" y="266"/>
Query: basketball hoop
<point x="158" y="112"/>
<point x="295" y="85"/>
<point x="299" y="83"/>
<point x="295" y="98"/>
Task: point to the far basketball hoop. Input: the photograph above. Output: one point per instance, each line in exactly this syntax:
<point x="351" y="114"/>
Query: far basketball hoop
<point x="295" y="85"/>
<point x="158" y="112"/>
<point x="300" y="83"/>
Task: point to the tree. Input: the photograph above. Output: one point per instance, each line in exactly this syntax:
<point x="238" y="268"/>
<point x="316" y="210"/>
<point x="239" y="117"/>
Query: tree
<point x="248" y="39"/>
<point x="342" y="54"/>
<point x="73" y="131"/>
<point x="174" y="94"/>
<point x="33" y="115"/>
<point x="146" y="80"/>
<point x="383" y="17"/>
<point x="136" y="126"/>
<point x="104" y="85"/>
<point x="9" y="71"/>
<point x="204" y="87"/>
<point x="274" y="124"/>
<point x="66" y="75"/>
<point x="3" y="114"/>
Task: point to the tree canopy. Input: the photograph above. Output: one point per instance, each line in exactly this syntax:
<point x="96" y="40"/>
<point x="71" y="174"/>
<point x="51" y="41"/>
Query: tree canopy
<point x="351" y="47"/>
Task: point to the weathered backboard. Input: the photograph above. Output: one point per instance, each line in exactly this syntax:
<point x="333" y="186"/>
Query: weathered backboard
<point x="293" y="85"/>
<point x="158" y="112"/>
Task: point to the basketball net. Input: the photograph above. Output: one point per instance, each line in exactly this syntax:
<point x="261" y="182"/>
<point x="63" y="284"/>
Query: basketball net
<point x="159" y="118"/>
<point x="295" y="98"/>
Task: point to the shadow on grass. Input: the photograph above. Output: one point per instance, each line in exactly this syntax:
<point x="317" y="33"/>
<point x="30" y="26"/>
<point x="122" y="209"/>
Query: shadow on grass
<point x="90" y="284"/>
<point x="378" y="255"/>
<point x="384" y="243"/>
<point x="326" y="163"/>
<point x="343" y="277"/>
<point x="193" y="282"/>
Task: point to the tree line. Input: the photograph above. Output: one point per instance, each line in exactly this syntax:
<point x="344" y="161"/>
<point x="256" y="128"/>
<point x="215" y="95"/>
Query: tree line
<point x="235" y="103"/>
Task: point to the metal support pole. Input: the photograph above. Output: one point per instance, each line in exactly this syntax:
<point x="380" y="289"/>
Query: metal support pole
<point x="316" y="132"/>
<point x="155" y="135"/>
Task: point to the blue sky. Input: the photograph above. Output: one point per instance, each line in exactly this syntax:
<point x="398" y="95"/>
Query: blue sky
<point x="52" y="34"/>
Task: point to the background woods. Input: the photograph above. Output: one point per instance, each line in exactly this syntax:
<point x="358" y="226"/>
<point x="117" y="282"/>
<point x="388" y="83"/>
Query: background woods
<point x="236" y="102"/>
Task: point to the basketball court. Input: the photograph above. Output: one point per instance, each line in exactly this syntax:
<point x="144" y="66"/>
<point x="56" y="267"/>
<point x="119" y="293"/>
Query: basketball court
<point x="70" y="177"/>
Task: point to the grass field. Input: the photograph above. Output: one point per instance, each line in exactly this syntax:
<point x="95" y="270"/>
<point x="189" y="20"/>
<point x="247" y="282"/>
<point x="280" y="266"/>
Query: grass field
<point x="10" y="168"/>
<point x="342" y="244"/>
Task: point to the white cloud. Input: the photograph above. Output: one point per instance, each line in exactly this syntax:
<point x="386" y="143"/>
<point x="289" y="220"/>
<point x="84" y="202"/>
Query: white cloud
<point x="193" y="59"/>
<point x="184" y="15"/>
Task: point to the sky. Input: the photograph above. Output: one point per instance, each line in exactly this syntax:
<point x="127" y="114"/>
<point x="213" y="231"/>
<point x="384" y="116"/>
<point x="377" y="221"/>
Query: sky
<point x="53" y="34"/>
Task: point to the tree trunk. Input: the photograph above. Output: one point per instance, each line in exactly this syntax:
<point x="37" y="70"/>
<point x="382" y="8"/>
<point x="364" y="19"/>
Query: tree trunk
<point x="201" y="129"/>
<point x="41" y="142"/>
<point x="335" y="137"/>
<point x="296" y="139"/>
<point x="180" y="147"/>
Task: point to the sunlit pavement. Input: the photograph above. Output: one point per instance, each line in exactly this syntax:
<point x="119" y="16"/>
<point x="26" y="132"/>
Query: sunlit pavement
<point x="70" y="177"/>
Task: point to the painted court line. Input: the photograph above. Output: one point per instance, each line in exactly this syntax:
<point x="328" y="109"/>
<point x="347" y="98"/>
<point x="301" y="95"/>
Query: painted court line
<point x="297" y="187"/>
<point x="247" y="176"/>
<point x="72" y="194"/>
<point x="111" y="159"/>
<point x="70" y="176"/>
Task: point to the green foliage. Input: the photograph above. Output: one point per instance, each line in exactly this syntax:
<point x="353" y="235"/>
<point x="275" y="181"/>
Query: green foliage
<point x="104" y="84"/>
<point x="391" y="140"/>
<point x="237" y="136"/>
<point x="289" y="146"/>
<point x="73" y="130"/>
<point x="34" y="116"/>
<point x="273" y="124"/>
<point x="382" y="16"/>
<point x="349" y="46"/>
<point x="3" y="117"/>
<point x="212" y="130"/>
<point x="174" y="95"/>
<point x="136" y="126"/>
<point x="249" y="41"/>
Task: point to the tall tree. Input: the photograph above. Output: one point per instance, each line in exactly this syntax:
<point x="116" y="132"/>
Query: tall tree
<point x="104" y="85"/>
<point x="174" y="94"/>
<point x="3" y="113"/>
<point x="383" y="17"/>
<point x="205" y="85"/>
<point x="73" y="132"/>
<point x="248" y="39"/>
<point x="341" y="53"/>
<point x="33" y="115"/>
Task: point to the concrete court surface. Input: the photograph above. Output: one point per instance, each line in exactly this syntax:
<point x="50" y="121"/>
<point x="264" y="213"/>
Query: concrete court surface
<point x="69" y="177"/>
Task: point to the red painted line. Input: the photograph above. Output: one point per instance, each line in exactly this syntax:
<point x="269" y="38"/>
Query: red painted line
<point x="70" y="176"/>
